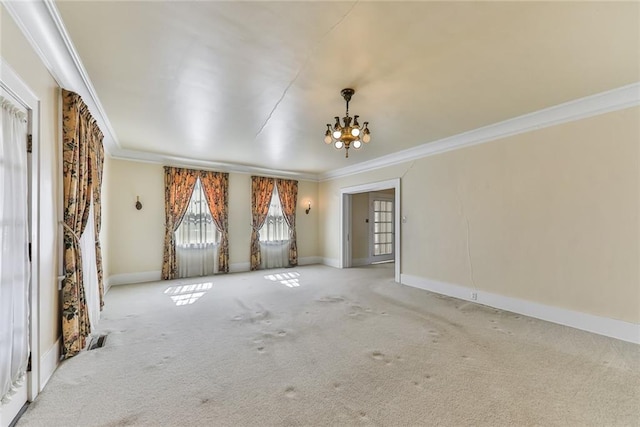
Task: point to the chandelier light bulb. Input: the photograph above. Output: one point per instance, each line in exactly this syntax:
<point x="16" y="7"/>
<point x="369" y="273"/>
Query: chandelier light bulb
<point x="349" y="133"/>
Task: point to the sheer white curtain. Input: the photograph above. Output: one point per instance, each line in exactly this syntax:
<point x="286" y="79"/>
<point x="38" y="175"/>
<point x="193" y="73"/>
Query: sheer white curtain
<point x="90" y="269"/>
<point x="14" y="259"/>
<point x="274" y="236"/>
<point x="197" y="238"/>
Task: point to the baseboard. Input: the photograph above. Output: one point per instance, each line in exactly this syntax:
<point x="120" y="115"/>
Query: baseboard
<point x="613" y="328"/>
<point x="49" y="363"/>
<point x="331" y="262"/>
<point x="129" y="278"/>
<point x="309" y="260"/>
<point x="239" y="267"/>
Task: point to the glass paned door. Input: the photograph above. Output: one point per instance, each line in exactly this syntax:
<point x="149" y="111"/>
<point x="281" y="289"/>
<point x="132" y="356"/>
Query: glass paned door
<point x="382" y="229"/>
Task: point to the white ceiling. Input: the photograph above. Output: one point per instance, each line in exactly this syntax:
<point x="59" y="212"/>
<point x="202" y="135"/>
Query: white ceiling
<point x="254" y="83"/>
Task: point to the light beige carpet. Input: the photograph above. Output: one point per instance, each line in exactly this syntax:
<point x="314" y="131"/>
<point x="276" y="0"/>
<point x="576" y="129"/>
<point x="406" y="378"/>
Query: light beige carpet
<point x="321" y="346"/>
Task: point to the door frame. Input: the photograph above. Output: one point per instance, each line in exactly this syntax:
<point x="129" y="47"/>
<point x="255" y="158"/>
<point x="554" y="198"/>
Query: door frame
<point x="13" y="84"/>
<point x="345" y="219"/>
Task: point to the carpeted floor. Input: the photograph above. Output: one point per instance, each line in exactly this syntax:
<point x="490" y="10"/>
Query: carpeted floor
<point x="321" y="346"/>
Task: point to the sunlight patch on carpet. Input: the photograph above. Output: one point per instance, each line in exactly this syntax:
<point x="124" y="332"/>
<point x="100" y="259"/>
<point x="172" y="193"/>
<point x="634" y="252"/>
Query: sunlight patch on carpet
<point x="187" y="294"/>
<point x="290" y="280"/>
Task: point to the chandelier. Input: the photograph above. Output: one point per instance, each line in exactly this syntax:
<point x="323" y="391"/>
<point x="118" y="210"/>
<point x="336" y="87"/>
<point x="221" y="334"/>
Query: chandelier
<point x="348" y="134"/>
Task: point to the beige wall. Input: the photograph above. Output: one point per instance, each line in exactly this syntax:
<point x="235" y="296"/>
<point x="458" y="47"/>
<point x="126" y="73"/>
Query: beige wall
<point x="17" y="52"/>
<point x="550" y="216"/>
<point x="136" y="237"/>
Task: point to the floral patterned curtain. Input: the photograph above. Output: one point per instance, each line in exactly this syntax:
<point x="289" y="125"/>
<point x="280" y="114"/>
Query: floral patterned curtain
<point x="81" y="136"/>
<point x="261" y="190"/>
<point x="288" y="194"/>
<point x="216" y="187"/>
<point x="178" y="186"/>
<point x="97" y="166"/>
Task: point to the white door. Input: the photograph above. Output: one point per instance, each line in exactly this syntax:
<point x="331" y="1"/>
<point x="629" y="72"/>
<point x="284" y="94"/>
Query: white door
<point x="14" y="259"/>
<point x="382" y="227"/>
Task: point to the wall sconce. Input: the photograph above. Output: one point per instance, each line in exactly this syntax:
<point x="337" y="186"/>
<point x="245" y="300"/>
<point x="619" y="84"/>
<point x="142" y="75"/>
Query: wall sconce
<point x="308" y="207"/>
<point x="138" y="204"/>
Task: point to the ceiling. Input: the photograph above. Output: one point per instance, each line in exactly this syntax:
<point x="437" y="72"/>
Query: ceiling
<point x="255" y="83"/>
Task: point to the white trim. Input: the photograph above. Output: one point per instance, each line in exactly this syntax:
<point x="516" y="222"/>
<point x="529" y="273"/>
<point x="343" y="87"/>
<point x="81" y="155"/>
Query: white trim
<point x="331" y="262"/>
<point x="154" y="276"/>
<point x="177" y="161"/>
<point x="42" y="26"/>
<point x="345" y="219"/>
<point x="13" y="84"/>
<point x="309" y="260"/>
<point x="600" y="103"/>
<point x="49" y="363"/>
<point x="239" y="267"/>
<point x="130" y="278"/>
<point x="9" y="411"/>
<point x="613" y="328"/>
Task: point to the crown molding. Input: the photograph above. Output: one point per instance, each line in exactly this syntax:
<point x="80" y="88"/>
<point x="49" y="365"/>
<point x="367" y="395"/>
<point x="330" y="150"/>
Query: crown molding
<point x="42" y="26"/>
<point x="169" y="160"/>
<point x="601" y="103"/>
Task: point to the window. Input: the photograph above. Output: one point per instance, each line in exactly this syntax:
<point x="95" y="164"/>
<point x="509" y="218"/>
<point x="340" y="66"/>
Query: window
<point x="274" y="236"/>
<point x="197" y="228"/>
<point x="197" y="238"/>
<point x="275" y="228"/>
<point x="383" y="227"/>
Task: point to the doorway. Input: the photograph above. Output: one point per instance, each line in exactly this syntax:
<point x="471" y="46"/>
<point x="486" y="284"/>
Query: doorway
<point x="347" y="226"/>
<point x="20" y="290"/>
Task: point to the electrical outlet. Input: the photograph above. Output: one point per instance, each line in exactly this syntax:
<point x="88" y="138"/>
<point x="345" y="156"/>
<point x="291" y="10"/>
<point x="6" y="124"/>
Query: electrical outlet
<point x="474" y="296"/>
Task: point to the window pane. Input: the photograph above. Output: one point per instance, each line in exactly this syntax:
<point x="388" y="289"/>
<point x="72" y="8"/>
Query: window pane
<point x="275" y="228"/>
<point x="197" y="226"/>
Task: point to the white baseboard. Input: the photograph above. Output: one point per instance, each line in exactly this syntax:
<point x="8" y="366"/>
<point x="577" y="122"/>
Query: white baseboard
<point x="613" y="328"/>
<point x="309" y="260"/>
<point x="239" y="267"/>
<point x="128" y="278"/>
<point x="49" y="363"/>
<point x="331" y="262"/>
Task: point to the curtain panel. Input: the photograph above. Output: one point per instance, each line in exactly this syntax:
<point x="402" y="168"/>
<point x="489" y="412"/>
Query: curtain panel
<point x="288" y="193"/>
<point x="178" y="187"/>
<point x="97" y="168"/>
<point x="216" y="189"/>
<point x="261" y="189"/>
<point x="14" y="262"/>
<point x="81" y="137"/>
